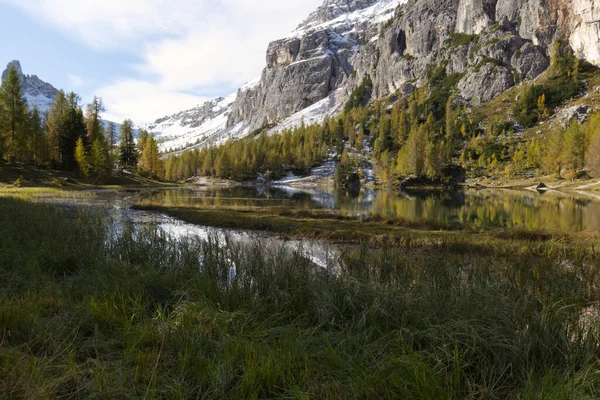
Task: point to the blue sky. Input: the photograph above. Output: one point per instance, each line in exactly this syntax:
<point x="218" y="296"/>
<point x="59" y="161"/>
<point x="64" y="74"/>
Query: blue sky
<point x="145" y="58"/>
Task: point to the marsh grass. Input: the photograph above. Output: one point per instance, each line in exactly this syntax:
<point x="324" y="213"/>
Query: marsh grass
<point x="92" y="311"/>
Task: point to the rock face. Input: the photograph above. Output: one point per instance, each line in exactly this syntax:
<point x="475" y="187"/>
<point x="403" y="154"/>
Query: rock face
<point x="37" y="92"/>
<point x="489" y="45"/>
<point x="312" y="62"/>
<point x="585" y="33"/>
<point x="475" y="16"/>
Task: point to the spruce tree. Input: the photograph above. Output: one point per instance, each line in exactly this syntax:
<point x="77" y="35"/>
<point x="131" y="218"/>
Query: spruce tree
<point x="73" y="129"/>
<point x="127" y="150"/>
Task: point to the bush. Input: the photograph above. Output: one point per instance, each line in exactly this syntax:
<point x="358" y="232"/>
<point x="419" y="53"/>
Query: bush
<point x="462" y="39"/>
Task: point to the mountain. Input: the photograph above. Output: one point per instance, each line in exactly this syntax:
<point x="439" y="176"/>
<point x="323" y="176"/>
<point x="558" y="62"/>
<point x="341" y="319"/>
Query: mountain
<point x="489" y="45"/>
<point x="303" y="71"/>
<point x="37" y="92"/>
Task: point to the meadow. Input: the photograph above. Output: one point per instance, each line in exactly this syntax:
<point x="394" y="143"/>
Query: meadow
<point x="91" y="308"/>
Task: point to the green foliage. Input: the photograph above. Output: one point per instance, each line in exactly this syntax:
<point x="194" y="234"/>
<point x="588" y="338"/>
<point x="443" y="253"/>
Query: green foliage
<point x="361" y="95"/>
<point x="91" y="312"/>
<point x="81" y="158"/>
<point x="562" y="85"/>
<point x="128" y="153"/>
<point x="458" y="39"/>
<point x="150" y="163"/>
<point x="13" y="117"/>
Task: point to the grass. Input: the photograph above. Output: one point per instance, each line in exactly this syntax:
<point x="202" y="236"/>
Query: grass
<point x="375" y="230"/>
<point x="19" y="175"/>
<point x="90" y="309"/>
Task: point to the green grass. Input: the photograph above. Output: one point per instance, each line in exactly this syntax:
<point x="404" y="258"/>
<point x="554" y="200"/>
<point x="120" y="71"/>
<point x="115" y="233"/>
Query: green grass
<point x="87" y="311"/>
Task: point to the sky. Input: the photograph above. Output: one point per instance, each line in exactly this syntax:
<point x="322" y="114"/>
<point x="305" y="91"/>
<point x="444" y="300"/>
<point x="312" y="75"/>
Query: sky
<point x="145" y="58"/>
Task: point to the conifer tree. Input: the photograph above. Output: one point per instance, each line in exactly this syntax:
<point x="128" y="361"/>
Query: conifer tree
<point x="149" y="163"/>
<point x="98" y="158"/>
<point x="14" y="116"/>
<point x="81" y="157"/>
<point x="111" y="135"/>
<point x="54" y="127"/>
<point x="127" y="150"/>
<point x="93" y="120"/>
<point x="73" y="128"/>
<point x="38" y="142"/>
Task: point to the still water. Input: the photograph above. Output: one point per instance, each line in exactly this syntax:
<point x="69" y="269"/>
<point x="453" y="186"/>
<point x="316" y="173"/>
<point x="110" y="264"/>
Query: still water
<point x="552" y="211"/>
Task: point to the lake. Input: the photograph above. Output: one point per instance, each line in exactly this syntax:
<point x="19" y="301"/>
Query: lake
<point x="552" y="211"/>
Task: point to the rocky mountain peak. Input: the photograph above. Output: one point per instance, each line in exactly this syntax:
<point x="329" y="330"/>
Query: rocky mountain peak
<point x="37" y="92"/>
<point x="332" y="9"/>
<point x="16" y="64"/>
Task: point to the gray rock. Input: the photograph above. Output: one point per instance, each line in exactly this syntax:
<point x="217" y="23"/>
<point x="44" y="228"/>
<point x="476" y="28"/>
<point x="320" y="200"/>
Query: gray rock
<point x="483" y="84"/>
<point x="530" y="61"/>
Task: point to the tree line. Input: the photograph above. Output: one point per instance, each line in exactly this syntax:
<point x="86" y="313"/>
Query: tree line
<point x="69" y="136"/>
<point x="430" y="135"/>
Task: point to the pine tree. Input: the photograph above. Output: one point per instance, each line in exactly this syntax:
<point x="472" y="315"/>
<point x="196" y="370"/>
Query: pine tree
<point x="14" y="116"/>
<point x="127" y="151"/>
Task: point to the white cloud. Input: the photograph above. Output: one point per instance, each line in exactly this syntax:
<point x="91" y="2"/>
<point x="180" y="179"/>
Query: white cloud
<point x="75" y="81"/>
<point x="137" y="99"/>
<point x="183" y="45"/>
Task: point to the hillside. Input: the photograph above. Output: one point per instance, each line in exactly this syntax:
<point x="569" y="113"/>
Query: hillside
<point x="493" y="45"/>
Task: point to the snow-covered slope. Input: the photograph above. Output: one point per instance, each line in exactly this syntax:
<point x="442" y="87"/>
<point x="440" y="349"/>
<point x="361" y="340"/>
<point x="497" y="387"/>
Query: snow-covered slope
<point x="37" y="92"/>
<point x="200" y="126"/>
<point x="353" y="14"/>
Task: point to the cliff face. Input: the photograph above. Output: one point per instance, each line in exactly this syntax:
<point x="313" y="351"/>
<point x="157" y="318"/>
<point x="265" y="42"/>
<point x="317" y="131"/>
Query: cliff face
<point x="491" y="45"/>
<point x="314" y="61"/>
<point x="397" y="43"/>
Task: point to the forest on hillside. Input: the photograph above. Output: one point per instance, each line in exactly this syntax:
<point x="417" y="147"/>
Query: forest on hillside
<point x="430" y="135"/>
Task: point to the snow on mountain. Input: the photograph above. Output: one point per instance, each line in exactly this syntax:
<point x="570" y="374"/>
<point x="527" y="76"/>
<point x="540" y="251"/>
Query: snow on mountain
<point x="200" y="126"/>
<point x="337" y="15"/>
<point x="315" y="114"/>
<point x="210" y="123"/>
<point x="37" y="92"/>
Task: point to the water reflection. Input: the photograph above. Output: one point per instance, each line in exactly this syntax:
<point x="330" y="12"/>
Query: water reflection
<point x="555" y="211"/>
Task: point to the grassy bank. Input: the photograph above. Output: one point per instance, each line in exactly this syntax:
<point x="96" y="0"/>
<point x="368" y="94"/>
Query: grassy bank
<point x="28" y="176"/>
<point x="89" y="311"/>
<point x="327" y="225"/>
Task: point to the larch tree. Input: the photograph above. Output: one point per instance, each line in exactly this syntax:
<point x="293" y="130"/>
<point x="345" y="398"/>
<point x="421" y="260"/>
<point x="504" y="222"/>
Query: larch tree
<point x="150" y="164"/>
<point x="81" y="157"/>
<point x="111" y="136"/>
<point x="38" y="144"/>
<point x="93" y="119"/>
<point x="54" y="126"/>
<point x="14" y="115"/>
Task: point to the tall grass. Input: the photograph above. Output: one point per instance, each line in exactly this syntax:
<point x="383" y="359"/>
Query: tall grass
<point x="90" y="311"/>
